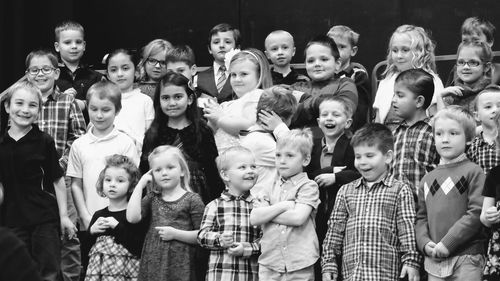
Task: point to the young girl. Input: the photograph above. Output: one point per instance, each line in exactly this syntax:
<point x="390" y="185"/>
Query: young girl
<point x="152" y="66"/>
<point x="490" y="216"/>
<point x="409" y="47"/>
<point x="117" y="244"/>
<point x="473" y="74"/>
<point x="137" y="111"/>
<point x="249" y="71"/>
<point x="177" y="123"/>
<point x="174" y="213"/>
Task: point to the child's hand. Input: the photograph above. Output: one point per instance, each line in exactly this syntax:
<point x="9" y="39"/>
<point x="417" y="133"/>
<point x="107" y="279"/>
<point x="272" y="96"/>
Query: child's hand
<point x="411" y="272"/>
<point x="110" y="222"/>
<point x="167" y="233"/>
<point x="440" y="251"/>
<point x="99" y="226"/>
<point x="429" y="248"/>
<point x="67" y="227"/>
<point x="145" y="179"/>
<point x="325" y="179"/>
<point x="270" y="120"/>
<point x="328" y="276"/>
<point x="226" y="239"/>
<point x="492" y="215"/>
<point x="212" y="111"/>
<point x="236" y="250"/>
<point x="449" y="92"/>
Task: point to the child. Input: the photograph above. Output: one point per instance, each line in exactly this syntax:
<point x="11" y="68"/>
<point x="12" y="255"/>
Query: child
<point x="286" y="212"/>
<point x="490" y="216"/>
<point x="347" y="43"/>
<point x="332" y="157"/>
<point x="225" y="229"/>
<point x="483" y="149"/>
<point x="137" y="110"/>
<point x="409" y="47"/>
<point x="473" y="74"/>
<point x="174" y="214"/>
<point x="152" y="66"/>
<point x="372" y="220"/>
<point x="117" y="244"/>
<point x="280" y="50"/>
<point x="88" y="153"/>
<point x="177" y="123"/>
<point x="249" y="75"/>
<point x="261" y="140"/>
<point x="214" y="81"/>
<point x="448" y="228"/>
<point x="414" y="150"/>
<point x="75" y="77"/>
<point x="35" y="193"/>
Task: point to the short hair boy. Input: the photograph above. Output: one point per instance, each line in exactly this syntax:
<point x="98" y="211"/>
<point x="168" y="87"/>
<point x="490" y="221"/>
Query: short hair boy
<point x="377" y="211"/>
<point x="483" y="149"/>
<point x="448" y="226"/>
<point x="225" y="228"/>
<point x="346" y="40"/>
<point x="280" y="49"/>
<point x="214" y="81"/>
<point x="286" y="210"/>
<point x="414" y="151"/>
<point x="181" y="59"/>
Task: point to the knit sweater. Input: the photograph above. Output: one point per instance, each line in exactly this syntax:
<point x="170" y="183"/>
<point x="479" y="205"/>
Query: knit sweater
<point x="449" y="205"/>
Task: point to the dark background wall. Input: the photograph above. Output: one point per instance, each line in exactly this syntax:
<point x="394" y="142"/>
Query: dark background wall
<point x="109" y="24"/>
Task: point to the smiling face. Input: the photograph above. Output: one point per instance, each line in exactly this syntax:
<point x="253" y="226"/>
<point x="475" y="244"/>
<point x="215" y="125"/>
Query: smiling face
<point x="280" y="48"/>
<point x="401" y="51"/>
<point x="121" y="71"/>
<point x="240" y="174"/>
<point x="473" y="69"/>
<point x="23" y="109"/>
<point x="174" y="101"/>
<point x="449" y="137"/>
<point x="244" y="76"/>
<point x="70" y="45"/>
<point x="220" y="44"/>
<point x="167" y="171"/>
<point x="320" y="62"/>
<point x="116" y="183"/>
<point x="488" y="107"/>
<point x="371" y="162"/>
<point x="333" y="119"/>
<point x="44" y="82"/>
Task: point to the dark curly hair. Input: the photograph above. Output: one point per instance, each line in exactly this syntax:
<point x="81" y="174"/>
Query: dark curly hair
<point x="124" y="162"/>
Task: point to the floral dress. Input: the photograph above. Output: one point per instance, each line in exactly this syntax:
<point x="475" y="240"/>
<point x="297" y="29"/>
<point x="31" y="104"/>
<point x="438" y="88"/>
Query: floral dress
<point x="492" y="189"/>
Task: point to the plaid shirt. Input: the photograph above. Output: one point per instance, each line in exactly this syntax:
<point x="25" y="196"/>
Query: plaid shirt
<point x="229" y="213"/>
<point x="415" y="153"/>
<point x="372" y="230"/>
<point x="483" y="153"/>
<point x="62" y="119"/>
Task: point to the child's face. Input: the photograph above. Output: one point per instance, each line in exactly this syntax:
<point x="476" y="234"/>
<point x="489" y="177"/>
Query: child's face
<point x="290" y="161"/>
<point x="244" y="76"/>
<point x="70" y="45"/>
<point x="280" y="49"/>
<point x="488" y="106"/>
<point x="320" y="62"/>
<point x="167" y="171"/>
<point x="221" y="43"/>
<point x="333" y="119"/>
<point x="470" y="68"/>
<point x="240" y="175"/>
<point x="44" y="82"/>
<point x="449" y="137"/>
<point x="121" y="71"/>
<point x="371" y="162"/>
<point x="116" y="183"/>
<point x="23" y="108"/>
<point x="404" y="102"/>
<point x="182" y="68"/>
<point x="346" y="50"/>
<point x="174" y="101"/>
<point x="155" y="66"/>
<point x="102" y="114"/>
<point x="401" y="51"/>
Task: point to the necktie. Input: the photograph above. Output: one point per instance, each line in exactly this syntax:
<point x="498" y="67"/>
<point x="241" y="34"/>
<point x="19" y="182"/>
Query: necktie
<point x="221" y="80"/>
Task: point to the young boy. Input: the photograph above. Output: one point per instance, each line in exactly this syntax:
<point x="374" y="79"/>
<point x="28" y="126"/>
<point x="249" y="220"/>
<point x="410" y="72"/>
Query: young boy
<point x="448" y="227"/>
<point x="75" y="77"/>
<point x="180" y="59"/>
<point x="225" y="229"/>
<point x="280" y="49"/>
<point x="483" y="150"/>
<point x="414" y="151"/>
<point x="347" y="43"/>
<point x="286" y="210"/>
<point x="371" y="233"/>
<point x="35" y="194"/>
<point x="215" y="80"/>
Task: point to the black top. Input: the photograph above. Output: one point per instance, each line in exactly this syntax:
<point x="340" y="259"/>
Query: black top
<point x="131" y="236"/>
<point x="15" y="261"/>
<point x="492" y="184"/>
<point x="289" y="79"/>
<point x="28" y="169"/>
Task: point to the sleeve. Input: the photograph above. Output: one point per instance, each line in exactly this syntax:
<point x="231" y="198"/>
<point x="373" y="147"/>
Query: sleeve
<point x="469" y="224"/>
<point x="75" y="166"/>
<point x="147" y="147"/>
<point x="15" y="260"/>
<point x="308" y="194"/>
<point x="422" y="226"/>
<point x="146" y="206"/>
<point x="130" y="150"/>
<point x="196" y="210"/>
<point x="253" y="247"/>
<point x="215" y="186"/>
<point x="76" y="129"/>
<point x="438" y="87"/>
<point x="210" y="231"/>
<point x="149" y="110"/>
<point x="363" y="86"/>
<point x="92" y="238"/>
<point x="51" y="168"/>
<point x="405" y="219"/>
<point x="131" y="236"/>
<point x="491" y="183"/>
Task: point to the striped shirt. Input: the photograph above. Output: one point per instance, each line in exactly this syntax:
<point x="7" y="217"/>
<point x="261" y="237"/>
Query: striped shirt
<point x="483" y="153"/>
<point x="372" y="230"/>
<point x="230" y="213"/>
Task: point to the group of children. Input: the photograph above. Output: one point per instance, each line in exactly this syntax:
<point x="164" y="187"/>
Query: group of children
<point x="181" y="175"/>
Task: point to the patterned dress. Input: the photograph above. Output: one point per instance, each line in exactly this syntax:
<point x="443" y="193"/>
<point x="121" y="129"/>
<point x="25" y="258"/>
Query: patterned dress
<point x="492" y="189"/>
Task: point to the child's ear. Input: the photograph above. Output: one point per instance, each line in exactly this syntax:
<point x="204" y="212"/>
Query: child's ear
<point x="487" y="67"/>
<point x="6" y="105"/>
<point x="209" y="50"/>
<point x="56" y="46"/>
<point x="193" y="70"/>
<point x="420" y="101"/>
<point x="476" y="116"/>
<point x="293" y="52"/>
<point x="306" y="161"/>
<point x="348" y="123"/>
<point x="338" y="64"/>
<point x="388" y="157"/>
<point x="267" y="54"/>
<point x="354" y="51"/>
<point x="57" y="72"/>
<point x="223" y="176"/>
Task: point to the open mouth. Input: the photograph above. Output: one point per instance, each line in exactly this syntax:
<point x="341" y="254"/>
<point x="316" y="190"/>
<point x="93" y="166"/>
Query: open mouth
<point x="330" y="126"/>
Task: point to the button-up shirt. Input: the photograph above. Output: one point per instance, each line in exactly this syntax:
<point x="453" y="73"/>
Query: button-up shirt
<point x="483" y="153"/>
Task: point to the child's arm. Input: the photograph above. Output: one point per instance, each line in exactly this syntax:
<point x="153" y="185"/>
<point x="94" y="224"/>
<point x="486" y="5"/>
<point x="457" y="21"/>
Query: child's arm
<point x="168" y="233"/>
<point x="405" y="219"/>
<point x="306" y="200"/>
<point x="421" y="224"/>
<point x="448" y="91"/>
<point x="67" y="227"/>
<point x="261" y="215"/>
<point x="489" y="213"/>
<point x="76" y="129"/>
<point x="79" y="198"/>
<point x="208" y="237"/>
<point x="134" y="206"/>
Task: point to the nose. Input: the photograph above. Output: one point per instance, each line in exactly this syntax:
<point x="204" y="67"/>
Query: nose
<point x="394" y="99"/>
<point x="99" y="114"/>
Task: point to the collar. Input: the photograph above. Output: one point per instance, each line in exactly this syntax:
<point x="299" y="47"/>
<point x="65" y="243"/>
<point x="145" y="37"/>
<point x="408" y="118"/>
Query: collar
<point x="281" y="74"/>
<point x="347" y="72"/>
<point x="325" y="148"/>
<point x="404" y="124"/>
<point x="386" y="181"/>
<point x="459" y="158"/>
<point x="93" y="138"/>
<point x="216" y="68"/>
<point x="30" y="135"/>
<point x="482" y="141"/>
<point x="294" y="179"/>
<point x="227" y="196"/>
<point x="55" y="94"/>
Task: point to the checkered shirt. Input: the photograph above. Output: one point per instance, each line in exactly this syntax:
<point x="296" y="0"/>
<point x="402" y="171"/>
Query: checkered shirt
<point x="372" y="230"/>
<point x="483" y="153"/>
<point x="415" y="153"/>
<point x="230" y="213"/>
<point x="63" y="120"/>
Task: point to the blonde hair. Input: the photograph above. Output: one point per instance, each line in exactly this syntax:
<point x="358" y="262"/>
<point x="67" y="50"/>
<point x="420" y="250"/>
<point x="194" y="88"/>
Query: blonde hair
<point x="298" y="138"/>
<point x="422" y="49"/>
<point x="152" y="48"/>
<point x="25" y="85"/>
<point x="223" y="161"/>
<point x="459" y="114"/>
<point x="345" y="32"/>
<point x="256" y="57"/>
<point x="175" y="151"/>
